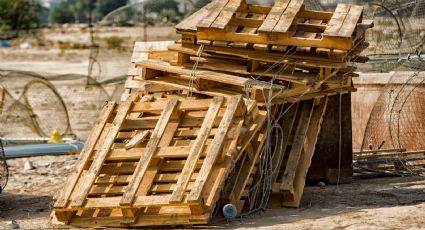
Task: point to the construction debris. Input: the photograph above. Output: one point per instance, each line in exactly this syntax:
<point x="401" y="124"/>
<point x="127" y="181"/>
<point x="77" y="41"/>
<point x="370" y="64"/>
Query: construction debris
<point x="228" y="115"/>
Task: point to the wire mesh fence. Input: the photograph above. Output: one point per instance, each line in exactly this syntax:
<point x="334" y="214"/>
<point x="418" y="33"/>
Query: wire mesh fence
<point x="4" y="171"/>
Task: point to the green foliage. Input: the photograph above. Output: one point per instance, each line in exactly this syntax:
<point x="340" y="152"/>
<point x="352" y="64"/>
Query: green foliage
<point x="170" y="14"/>
<point x="18" y="15"/>
<point x="61" y="15"/>
<point x="159" y="5"/>
<point x="201" y="3"/>
<point x="103" y="7"/>
<point x="70" y="11"/>
<point x="114" y="42"/>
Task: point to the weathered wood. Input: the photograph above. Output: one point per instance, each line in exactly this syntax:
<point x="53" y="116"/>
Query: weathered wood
<point x="288" y="16"/>
<point x="215" y="10"/>
<point x="137" y="139"/>
<point x="274" y="15"/>
<point x="214" y="150"/>
<point x="287" y="125"/>
<point x="196" y="150"/>
<point x="151" y="147"/>
<point x="297" y="147"/>
<point x="95" y="167"/>
<point x="226" y="14"/>
<point x="307" y="154"/>
<point x="62" y="199"/>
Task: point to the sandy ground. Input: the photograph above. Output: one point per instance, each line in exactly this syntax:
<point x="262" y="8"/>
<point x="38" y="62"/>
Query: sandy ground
<point x="384" y="203"/>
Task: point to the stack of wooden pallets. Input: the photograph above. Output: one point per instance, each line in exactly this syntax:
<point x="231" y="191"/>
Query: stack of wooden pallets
<point x="195" y="120"/>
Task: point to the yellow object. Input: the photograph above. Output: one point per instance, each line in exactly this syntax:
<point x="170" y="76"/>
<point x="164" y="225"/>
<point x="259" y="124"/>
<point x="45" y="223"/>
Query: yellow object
<point x="55" y="138"/>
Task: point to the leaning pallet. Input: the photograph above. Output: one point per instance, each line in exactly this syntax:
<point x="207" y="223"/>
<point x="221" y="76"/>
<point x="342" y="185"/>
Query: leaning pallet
<point x="191" y="131"/>
<point x="157" y="161"/>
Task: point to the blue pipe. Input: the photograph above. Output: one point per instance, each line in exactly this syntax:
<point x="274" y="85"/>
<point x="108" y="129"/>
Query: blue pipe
<point x="42" y="149"/>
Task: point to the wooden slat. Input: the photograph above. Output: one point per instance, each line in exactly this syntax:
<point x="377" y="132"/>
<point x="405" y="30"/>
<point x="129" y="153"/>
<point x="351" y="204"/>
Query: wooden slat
<point x="97" y="164"/>
<point x="216" y="8"/>
<point x="307" y="154"/>
<point x="226" y="14"/>
<point x="337" y="20"/>
<point x="247" y="168"/>
<point x="85" y="154"/>
<point x="214" y="150"/>
<point x="196" y="150"/>
<point x="189" y="23"/>
<point x="152" y="171"/>
<point x="151" y="147"/>
<point x="137" y="139"/>
<point x="158" y="106"/>
<point x="202" y="74"/>
<point x="274" y="15"/>
<point x="350" y="22"/>
<point x="297" y="147"/>
<point x="288" y="16"/>
<point x="136" y="153"/>
<point x="287" y="125"/>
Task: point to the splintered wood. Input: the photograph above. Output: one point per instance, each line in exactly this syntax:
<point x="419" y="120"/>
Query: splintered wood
<point x="192" y="127"/>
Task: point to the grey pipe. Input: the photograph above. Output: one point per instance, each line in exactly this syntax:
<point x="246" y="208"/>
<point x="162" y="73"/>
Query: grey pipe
<point x="42" y="149"/>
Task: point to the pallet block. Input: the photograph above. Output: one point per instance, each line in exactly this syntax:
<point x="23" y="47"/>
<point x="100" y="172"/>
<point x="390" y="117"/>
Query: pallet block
<point x="151" y="158"/>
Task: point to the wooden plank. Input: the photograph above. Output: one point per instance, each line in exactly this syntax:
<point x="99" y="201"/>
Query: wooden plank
<point x="196" y="150"/>
<point x="274" y="15"/>
<point x="226" y="14"/>
<point x="189" y="23"/>
<point x="137" y="153"/>
<point x="275" y="39"/>
<point x="186" y="105"/>
<point x="287" y="126"/>
<point x="214" y="150"/>
<point x="297" y="147"/>
<point x="150" y="150"/>
<point x="214" y="11"/>
<point x="153" y="169"/>
<point x="151" y="147"/>
<point x="247" y="168"/>
<point x="307" y="154"/>
<point x="303" y="59"/>
<point x="350" y="22"/>
<point x="62" y="199"/>
<point x="288" y="16"/>
<point x="97" y="164"/>
<point x="202" y="74"/>
<point x="137" y="139"/>
<point x="337" y="20"/>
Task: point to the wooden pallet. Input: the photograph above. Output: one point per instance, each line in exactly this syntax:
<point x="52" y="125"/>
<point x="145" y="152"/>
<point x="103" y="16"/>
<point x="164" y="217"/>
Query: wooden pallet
<point x="301" y="126"/>
<point x="151" y="159"/>
<point x="285" y="24"/>
<point x="164" y="76"/>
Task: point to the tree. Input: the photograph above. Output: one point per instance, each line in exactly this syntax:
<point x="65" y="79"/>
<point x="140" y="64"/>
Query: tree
<point x="159" y="5"/>
<point x="69" y="11"/>
<point x="103" y="7"/>
<point x="18" y="15"/>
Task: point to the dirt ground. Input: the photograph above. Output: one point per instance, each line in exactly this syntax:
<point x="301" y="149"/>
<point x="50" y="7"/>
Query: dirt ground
<point x="383" y="203"/>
